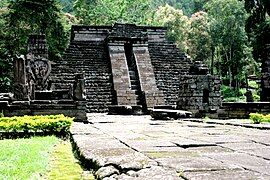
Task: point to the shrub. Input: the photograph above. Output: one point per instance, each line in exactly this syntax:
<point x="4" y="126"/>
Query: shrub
<point x="49" y="124"/>
<point x="233" y="95"/>
<point x="258" y="118"/>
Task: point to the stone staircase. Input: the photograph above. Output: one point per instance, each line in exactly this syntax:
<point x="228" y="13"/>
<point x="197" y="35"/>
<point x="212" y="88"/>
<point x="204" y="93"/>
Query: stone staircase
<point x="90" y="58"/>
<point x="134" y="78"/>
<point x="168" y="63"/>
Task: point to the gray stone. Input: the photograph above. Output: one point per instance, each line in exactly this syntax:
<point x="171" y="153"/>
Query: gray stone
<point x="243" y="160"/>
<point x="112" y="177"/>
<point x="224" y="175"/>
<point x="259" y="152"/>
<point x="132" y="173"/>
<point x="195" y="164"/>
<point x="140" y="150"/>
<point x="243" y="146"/>
<point x="157" y="172"/>
<point x="106" y="172"/>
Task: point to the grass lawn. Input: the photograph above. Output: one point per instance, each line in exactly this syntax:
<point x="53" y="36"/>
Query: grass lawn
<point x="38" y="158"/>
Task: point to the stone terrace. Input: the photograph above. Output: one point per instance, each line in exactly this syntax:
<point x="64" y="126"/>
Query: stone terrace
<point x="136" y="147"/>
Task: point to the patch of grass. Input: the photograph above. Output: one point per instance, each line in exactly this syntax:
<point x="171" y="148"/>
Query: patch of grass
<point x="25" y="158"/>
<point x="63" y="165"/>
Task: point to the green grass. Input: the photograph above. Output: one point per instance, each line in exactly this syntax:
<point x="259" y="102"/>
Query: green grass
<point x="38" y="158"/>
<point x="25" y="158"/>
<point x="63" y="165"/>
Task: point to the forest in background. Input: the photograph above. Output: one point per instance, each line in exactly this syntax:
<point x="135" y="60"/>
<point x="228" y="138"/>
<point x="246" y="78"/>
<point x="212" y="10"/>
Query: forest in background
<point x="227" y="35"/>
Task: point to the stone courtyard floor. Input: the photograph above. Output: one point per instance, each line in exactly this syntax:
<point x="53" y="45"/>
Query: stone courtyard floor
<point x="137" y="147"/>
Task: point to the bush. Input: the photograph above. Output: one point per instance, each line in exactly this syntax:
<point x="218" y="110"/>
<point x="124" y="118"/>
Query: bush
<point x="258" y="118"/>
<point x="233" y="95"/>
<point x="52" y="124"/>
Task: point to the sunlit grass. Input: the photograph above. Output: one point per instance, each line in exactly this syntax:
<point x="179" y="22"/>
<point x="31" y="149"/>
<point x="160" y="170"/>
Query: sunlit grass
<point x="63" y="165"/>
<point x="26" y="158"/>
<point x="38" y="158"/>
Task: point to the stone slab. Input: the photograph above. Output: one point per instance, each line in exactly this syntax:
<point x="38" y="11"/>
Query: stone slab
<point x="243" y="160"/>
<point x="195" y="164"/>
<point x="243" y="146"/>
<point x="225" y="175"/>
<point x="196" y="150"/>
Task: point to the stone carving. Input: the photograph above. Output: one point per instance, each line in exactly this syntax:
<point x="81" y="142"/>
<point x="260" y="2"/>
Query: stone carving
<point x="39" y="69"/>
<point x="78" y="87"/>
<point x="20" y="81"/>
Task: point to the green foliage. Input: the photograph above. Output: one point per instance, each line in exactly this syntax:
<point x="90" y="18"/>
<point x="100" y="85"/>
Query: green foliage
<point x="25" y="158"/>
<point x="107" y="12"/>
<point x="176" y="22"/>
<point x="36" y="17"/>
<point x="67" y="5"/>
<point x="199" y="40"/>
<point x="232" y="52"/>
<point x="259" y="118"/>
<point x="255" y="90"/>
<point x="49" y="123"/>
<point x="5" y="60"/>
<point x="233" y="95"/>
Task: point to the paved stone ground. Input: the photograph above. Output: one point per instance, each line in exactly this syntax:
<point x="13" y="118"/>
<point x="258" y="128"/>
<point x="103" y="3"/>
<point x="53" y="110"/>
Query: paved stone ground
<point x="136" y="147"/>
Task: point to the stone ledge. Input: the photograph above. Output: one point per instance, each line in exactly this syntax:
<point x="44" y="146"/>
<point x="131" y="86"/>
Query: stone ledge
<point x="110" y="158"/>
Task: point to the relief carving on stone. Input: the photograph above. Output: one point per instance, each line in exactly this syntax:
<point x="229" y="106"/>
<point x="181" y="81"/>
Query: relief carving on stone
<point x="39" y="69"/>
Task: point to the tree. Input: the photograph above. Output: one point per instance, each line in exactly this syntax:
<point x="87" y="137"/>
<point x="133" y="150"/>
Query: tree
<point x="258" y="26"/>
<point x="229" y="39"/>
<point x="199" y="39"/>
<point x="36" y="17"/>
<point x="5" y="60"/>
<point x="176" y="22"/>
<point x="67" y="5"/>
<point x="107" y="12"/>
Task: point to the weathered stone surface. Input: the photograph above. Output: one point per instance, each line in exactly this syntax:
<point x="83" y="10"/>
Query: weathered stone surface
<point x="21" y="88"/>
<point x="243" y="160"/>
<point x="244" y="146"/>
<point x="222" y="138"/>
<point x="259" y="152"/>
<point x="195" y="164"/>
<point x="106" y="171"/>
<point x="157" y="172"/>
<point x="199" y="93"/>
<point x="225" y="175"/>
<point x="142" y="149"/>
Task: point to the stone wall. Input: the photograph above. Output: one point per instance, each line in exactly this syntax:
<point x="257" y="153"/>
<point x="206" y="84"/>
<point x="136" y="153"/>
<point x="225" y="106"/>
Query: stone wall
<point x="168" y="64"/>
<point x="44" y="107"/>
<point x="92" y="59"/>
<point x="242" y="110"/>
<point x="199" y="93"/>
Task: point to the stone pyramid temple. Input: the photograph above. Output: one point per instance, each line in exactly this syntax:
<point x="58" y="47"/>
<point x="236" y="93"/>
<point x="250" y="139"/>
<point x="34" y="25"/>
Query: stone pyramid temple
<point x="123" y="64"/>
